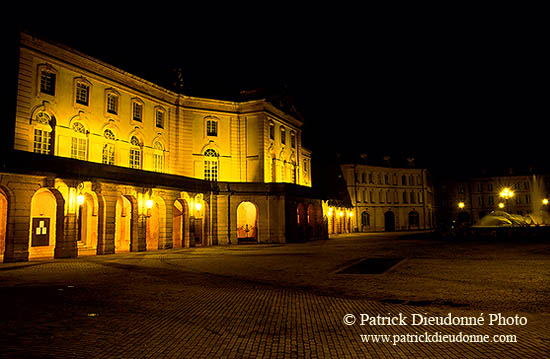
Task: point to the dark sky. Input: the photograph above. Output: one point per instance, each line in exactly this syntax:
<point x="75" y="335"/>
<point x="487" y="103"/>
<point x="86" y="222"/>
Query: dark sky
<point x="456" y="94"/>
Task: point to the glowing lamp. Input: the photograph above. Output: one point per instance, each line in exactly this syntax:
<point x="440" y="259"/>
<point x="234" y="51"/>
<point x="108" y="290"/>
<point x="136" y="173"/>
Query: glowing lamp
<point x="149" y="203"/>
<point x="329" y="212"/>
<point x="545" y="201"/>
<point x="198" y="206"/>
<point x="80" y="200"/>
<point x="501" y="205"/>
<point x="341" y="214"/>
<point x="461" y="205"/>
<point x="350" y="214"/>
<point x="506" y="193"/>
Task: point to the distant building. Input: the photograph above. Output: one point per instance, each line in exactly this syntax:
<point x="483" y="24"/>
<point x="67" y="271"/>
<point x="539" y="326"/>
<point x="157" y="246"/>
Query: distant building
<point x="104" y="161"/>
<point x="385" y="198"/>
<point x="466" y="201"/>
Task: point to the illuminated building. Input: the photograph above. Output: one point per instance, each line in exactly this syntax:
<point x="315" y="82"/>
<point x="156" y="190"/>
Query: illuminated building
<point x="466" y="201"/>
<point x="387" y="198"/>
<point x="104" y="161"/>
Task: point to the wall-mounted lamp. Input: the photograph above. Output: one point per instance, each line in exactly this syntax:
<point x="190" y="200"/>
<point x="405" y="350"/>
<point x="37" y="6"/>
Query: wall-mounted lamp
<point x="149" y="203"/>
<point x="198" y="206"/>
<point x="80" y="199"/>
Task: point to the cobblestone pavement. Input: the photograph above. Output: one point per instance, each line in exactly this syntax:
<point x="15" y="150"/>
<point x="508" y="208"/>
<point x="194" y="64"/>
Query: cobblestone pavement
<point x="280" y="301"/>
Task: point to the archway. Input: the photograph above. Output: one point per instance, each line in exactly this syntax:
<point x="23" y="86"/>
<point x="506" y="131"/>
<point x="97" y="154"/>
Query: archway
<point x="414" y="219"/>
<point x="87" y="226"/>
<point x="3" y="223"/>
<point x="247" y="222"/>
<point x="389" y="221"/>
<point x="43" y="224"/>
<point x="180" y="224"/>
<point x="310" y="220"/>
<point x="123" y="223"/>
<point x="365" y="221"/>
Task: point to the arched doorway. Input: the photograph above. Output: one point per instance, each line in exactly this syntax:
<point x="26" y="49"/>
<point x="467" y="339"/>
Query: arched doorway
<point x="87" y="226"/>
<point x="123" y="224"/>
<point x="365" y="221"/>
<point x="389" y="221"/>
<point x="180" y="224"/>
<point x="44" y="218"/>
<point x="3" y="223"/>
<point x="414" y="220"/>
<point x="247" y="222"/>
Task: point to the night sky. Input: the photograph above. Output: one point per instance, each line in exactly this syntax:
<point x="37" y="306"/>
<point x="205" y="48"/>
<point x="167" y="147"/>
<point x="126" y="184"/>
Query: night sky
<point x="455" y="94"/>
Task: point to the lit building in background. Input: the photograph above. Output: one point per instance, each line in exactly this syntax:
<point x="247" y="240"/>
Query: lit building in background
<point x="464" y="202"/>
<point x="105" y="161"/>
<point x="385" y="197"/>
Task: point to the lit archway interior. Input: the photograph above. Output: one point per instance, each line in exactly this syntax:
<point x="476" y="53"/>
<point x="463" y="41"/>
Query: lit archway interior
<point x="247" y="216"/>
<point x="3" y="223"/>
<point x="123" y="224"/>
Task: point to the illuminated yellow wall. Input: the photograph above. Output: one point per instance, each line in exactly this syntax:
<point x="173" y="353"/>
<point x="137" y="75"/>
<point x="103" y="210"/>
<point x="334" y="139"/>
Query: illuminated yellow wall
<point x="245" y="151"/>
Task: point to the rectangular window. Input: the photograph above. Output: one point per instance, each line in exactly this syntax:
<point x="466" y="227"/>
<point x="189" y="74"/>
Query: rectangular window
<point x="160" y="119"/>
<point x="47" y="82"/>
<point x="158" y="160"/>
<point x="109" y="154"/>
<point x="210" y="170"/>
<point x="42" y="141"/>
<point x="211" y="128"/>
<point x="78" y="148"/>
<point x="413" y="199"/>
<point x="112" y="104"/>
<point x="135" y="158"/>
<point x="137" y="111"/>
<point x="283" y="136"/>
<point x="82" y="93"/>
<point x="271" y="131"/>
<point x="293" y="140"/>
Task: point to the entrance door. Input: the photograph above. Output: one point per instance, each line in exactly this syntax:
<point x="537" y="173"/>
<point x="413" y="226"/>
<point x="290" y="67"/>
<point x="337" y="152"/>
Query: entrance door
<point x="389" y="221"/>
<point x="247" y="222"/>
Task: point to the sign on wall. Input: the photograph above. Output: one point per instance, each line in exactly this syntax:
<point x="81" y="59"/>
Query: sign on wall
<point x="40" y="232"/>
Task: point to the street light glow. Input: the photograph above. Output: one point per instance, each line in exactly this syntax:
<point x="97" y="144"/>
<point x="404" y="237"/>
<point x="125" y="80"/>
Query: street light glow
<point x="506" y="193"/>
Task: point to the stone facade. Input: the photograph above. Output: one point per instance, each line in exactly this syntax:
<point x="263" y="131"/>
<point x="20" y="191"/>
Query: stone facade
<point x="104" y="161"/>
<point x="386" y="198"/>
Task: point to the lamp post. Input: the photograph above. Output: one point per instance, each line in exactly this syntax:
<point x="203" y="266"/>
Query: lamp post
<point x="506" y="194"/>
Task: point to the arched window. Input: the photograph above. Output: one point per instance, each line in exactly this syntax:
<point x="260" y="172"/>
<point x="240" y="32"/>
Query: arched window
<point x="210" y="165"/>
<point x="283" y="135"/>
<point x="108" y="156"/>
<point x="42" y="133"/>
<point x="135" y="152"/>
<point x="79" y="142"/>
<point x="158" y="157"/>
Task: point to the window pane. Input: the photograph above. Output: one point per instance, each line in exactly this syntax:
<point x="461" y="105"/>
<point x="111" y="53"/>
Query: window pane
<point x="47" y="82"/>
<point x="82" y="91"/>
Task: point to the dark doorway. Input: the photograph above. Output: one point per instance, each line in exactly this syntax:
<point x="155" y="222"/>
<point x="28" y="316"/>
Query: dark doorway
<point x="389" y="221"/>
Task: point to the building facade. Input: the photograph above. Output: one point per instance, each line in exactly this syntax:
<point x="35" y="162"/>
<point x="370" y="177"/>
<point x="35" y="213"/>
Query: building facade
<point x="386" y="198"/>
<point x="104" y="161"/>
<point x="466" y="201"/>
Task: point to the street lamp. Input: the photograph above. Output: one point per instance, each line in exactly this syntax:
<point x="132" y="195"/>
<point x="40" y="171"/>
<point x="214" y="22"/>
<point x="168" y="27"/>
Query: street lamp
<point x="461" y="205"/>
<point x="506" y="194"/>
